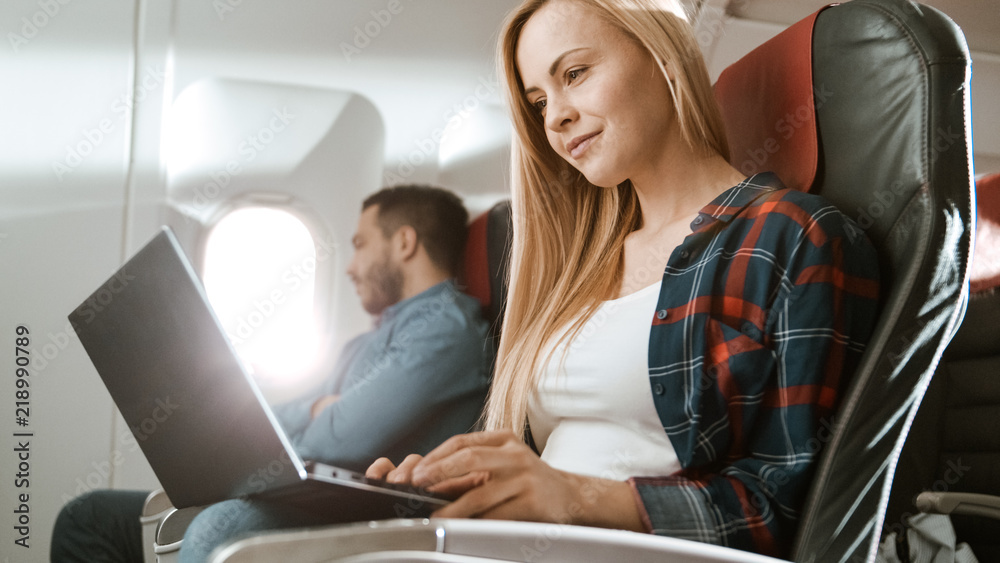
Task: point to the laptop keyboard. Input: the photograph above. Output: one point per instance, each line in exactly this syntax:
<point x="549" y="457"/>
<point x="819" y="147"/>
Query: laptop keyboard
<point x="340" y="473"/>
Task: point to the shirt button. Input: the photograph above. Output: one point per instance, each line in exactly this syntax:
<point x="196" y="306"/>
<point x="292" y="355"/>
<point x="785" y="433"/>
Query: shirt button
<point x="662" y="314"/>
<point x="658" y="389"/>
<point x="749" y="330"/>
<point x="685" y="254"/>
<point x="698" y="220"/>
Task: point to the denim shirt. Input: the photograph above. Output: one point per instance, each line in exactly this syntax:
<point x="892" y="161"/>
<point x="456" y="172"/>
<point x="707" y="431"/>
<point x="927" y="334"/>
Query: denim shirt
<point x="418" y="378"/>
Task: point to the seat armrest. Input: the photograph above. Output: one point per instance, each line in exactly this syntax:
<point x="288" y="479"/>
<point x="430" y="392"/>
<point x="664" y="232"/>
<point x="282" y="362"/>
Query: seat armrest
<point x="154" y="510"/>
<point x="969" y="504"/>
<point x="172" y="528"/>
<point x="454" y="540"/>
<point x="333" y="543"/>
<point x="156" y="503"/>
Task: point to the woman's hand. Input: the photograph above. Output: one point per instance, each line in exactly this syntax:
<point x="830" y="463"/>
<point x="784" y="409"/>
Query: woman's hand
<point x="498" y="476"/>
<point x="384" y="469"/>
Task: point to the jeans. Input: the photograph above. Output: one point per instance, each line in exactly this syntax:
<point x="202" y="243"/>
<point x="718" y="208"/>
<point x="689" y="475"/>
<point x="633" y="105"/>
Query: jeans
<point x="230" y="519"/>
<point x="103" y="527"/>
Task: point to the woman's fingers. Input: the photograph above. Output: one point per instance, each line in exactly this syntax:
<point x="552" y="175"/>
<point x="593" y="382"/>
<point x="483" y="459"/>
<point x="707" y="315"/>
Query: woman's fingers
<point x="459" y="485"/>
<point x="379" y="468"/>
<point x="384" y="469"/>
<point x="479" y="501"/>
<point x="450" y="460"/>
<point x="462" y="441"/>
<point x="543" y="494"/>
<point x="538" y="494"/>
<point x="404" y="473"/>
<point x="484" y="453"/>
<point x="495" y="475"/>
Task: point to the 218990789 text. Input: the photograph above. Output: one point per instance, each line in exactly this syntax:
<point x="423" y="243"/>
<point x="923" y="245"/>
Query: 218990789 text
<point x="22" y="437"/>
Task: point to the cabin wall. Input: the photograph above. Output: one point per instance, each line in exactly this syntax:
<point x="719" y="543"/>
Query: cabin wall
<point x="66" y="115"/>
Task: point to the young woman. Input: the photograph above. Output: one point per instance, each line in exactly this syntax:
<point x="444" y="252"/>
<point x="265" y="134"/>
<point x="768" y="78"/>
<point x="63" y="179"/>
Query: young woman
<point x="675" y="332"/>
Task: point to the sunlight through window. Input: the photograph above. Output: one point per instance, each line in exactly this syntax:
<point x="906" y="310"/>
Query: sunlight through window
<point x="259" y="274"/>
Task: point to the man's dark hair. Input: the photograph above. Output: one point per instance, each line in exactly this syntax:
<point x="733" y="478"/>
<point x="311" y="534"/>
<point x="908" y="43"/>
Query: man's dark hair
<point x="437" y="215"/>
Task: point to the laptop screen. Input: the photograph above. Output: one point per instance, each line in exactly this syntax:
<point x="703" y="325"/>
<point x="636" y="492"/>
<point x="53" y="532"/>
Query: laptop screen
<point x="196" y="413"/>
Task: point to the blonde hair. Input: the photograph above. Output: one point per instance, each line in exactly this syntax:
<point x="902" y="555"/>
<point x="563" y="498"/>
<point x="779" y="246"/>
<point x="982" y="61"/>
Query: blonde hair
<point x="569" y="234"/>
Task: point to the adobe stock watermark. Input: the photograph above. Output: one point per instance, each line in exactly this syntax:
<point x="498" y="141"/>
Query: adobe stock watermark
<point x="453" y="117"/>
<point x="785" y="128"/>
<point x="760" y="498"/>
<point x="32" y="26"/>
<point x="46" y="351"/>
<point x="656" y="260"/>
<point x="93" y="137"/>
<point x="365" y="33"/>
<point x="160" y="414"/>
<point x="884" y="199"/>
<point x="257" y="482"/>
<point x="98" y="477"/>
<point x="104" y="296"/>
<point x="292" y="279"/>
<point x="906" y="345"/>
<point x="416" y="329"/>
<point x="954" y="473"/>
<point x="711" y="22"/>
<point x="546" y="536"/>
<point x="57" y="342"/>
<point x="225" y="7"/>
<point x="951" y="476"/>
<point x="249" y="148"/>
<point x="44" y="354"/>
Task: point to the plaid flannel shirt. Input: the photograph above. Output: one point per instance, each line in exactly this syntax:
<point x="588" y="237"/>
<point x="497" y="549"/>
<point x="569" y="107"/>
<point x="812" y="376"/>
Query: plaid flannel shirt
<point x="764" y="312"/>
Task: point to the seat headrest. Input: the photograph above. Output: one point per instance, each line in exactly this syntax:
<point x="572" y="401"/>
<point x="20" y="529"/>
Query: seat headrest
<point x="984" y="273"/>
<point x="768" y="108"/>
<point x="484" y="269"/>
<point x="475" y="276"/>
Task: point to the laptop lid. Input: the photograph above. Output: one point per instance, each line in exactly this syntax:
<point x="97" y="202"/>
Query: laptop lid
<point x="196" y="413"/>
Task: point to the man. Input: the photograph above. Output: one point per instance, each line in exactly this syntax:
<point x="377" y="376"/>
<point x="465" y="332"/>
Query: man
<point x="419" y="377"/>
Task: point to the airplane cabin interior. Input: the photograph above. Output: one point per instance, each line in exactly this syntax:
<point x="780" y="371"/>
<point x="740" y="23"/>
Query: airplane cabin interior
<point x="255" y="129"/>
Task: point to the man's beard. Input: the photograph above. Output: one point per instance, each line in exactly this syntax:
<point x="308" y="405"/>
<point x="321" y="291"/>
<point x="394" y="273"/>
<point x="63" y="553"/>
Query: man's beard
<point x="386" y="283"/>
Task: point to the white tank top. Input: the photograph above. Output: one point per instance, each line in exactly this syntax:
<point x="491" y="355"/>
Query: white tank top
<point x="595" y="415"/>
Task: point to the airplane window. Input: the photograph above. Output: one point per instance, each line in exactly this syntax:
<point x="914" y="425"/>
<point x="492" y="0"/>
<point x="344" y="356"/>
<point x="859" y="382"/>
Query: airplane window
<point x="259" y="274"/>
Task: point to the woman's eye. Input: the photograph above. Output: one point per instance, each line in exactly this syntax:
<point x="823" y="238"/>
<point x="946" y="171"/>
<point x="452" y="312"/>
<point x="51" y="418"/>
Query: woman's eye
<point x="540" y="106"/>
<point x="575" y="73"/>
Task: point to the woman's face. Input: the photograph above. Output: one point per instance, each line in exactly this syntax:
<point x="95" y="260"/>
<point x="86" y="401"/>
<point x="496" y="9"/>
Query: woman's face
<point x="605" y="103"/>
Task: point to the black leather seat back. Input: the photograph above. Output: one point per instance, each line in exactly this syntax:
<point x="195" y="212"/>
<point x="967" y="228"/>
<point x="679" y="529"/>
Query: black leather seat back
<point x="954" y="444"/>
<point x="891" y="84"/>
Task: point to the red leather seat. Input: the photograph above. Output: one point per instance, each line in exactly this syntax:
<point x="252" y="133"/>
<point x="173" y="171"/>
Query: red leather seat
<point x="484" y="270"/>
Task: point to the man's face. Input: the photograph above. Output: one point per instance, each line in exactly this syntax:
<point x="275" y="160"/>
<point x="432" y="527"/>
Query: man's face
<point x="377" y="277"/>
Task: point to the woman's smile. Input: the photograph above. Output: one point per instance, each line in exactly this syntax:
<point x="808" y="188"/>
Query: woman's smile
<point x="579" y="145"/>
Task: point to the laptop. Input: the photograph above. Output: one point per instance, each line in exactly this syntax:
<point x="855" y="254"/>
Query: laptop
<point x="195" y="411"/>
